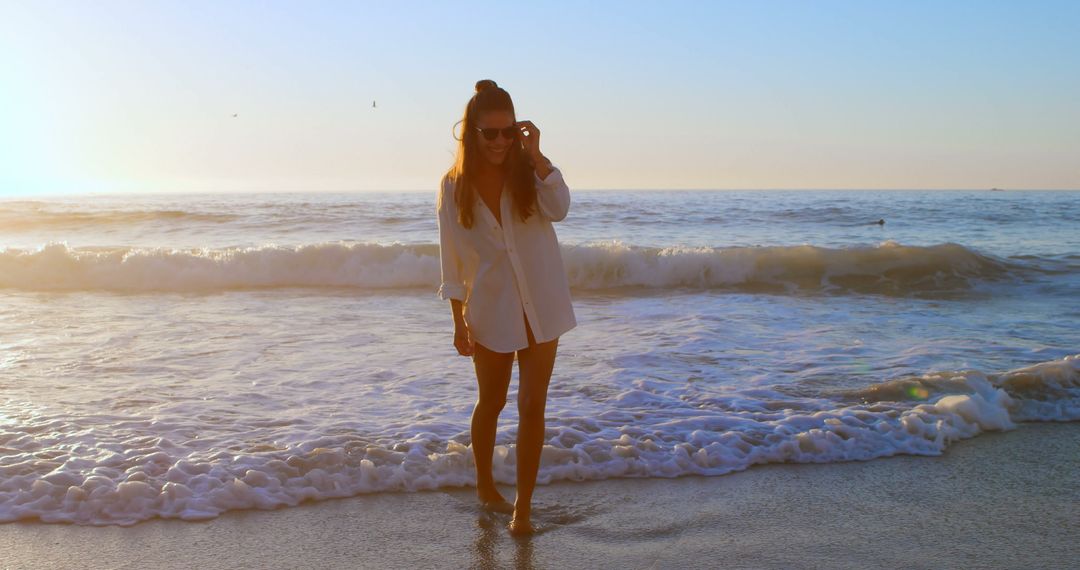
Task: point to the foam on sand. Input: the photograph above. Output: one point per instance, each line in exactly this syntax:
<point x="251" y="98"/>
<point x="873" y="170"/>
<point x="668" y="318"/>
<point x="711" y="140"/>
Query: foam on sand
<point x="87" y="481"/>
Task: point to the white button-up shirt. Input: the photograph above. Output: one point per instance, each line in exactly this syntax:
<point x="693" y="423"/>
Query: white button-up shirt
<point x="504" y="272"/>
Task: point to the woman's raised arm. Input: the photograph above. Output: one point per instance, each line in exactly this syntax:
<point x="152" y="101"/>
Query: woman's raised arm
<point x="552" y="194"/>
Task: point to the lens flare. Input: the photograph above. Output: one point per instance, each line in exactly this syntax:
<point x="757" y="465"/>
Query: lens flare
<point x="917" y="392"/>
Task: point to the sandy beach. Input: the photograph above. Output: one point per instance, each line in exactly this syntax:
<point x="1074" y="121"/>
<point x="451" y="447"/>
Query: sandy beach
<point x="1001" y="500"/>
<point x="808" y="270"/>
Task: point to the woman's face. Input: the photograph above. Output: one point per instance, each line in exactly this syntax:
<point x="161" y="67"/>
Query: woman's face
<point x="495" y="151"/>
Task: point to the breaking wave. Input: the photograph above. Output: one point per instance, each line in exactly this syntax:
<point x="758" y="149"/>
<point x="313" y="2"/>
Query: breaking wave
<point x="1047" y="391"/>
<point x="889" y="268"/>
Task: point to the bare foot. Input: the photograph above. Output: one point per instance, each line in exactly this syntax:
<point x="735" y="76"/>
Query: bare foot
<point x="497" y="506"/>
<point x="493" y="501"/>
<point x="521" y="527"/>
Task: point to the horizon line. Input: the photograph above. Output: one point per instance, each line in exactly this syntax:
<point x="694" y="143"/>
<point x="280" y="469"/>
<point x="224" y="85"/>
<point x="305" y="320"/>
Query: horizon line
<point x="6" y="196"/>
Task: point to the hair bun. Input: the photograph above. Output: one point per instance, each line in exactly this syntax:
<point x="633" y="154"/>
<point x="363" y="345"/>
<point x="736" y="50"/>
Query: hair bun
<point x="485" y="84"/>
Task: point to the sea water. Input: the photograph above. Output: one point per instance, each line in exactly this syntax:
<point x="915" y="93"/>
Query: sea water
<point x="184" y="355"/>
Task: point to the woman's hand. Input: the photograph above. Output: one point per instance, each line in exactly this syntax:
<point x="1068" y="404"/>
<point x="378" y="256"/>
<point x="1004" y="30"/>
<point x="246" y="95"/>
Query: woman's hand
<point x="463" y="341"/>
<point x="530" y="143"/>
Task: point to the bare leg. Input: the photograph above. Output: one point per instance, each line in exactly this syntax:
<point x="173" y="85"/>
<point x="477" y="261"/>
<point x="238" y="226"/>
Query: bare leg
<point x="534" y="366"/>
<point x="493" y="371"/>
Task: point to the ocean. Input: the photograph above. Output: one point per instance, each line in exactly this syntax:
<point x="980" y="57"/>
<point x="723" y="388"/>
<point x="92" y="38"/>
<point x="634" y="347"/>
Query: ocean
<point x="180" y="356"/>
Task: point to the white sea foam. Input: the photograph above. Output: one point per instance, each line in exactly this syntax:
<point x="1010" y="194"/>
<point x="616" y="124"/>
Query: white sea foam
<point x="47" y="477"/>
<point x="889" y="268"/>
<point x="117" y="408"/>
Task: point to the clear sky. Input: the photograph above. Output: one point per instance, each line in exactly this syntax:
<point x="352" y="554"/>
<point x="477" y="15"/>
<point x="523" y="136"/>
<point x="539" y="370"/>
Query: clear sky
<point x="140" y="95"/>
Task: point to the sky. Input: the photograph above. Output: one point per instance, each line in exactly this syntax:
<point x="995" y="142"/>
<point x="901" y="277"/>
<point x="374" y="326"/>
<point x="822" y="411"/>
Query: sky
<point x="140" y="96"/>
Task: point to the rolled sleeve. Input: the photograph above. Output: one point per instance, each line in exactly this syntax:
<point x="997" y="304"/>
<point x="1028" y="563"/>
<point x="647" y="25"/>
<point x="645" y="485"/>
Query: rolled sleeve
<point x="552" y="195"/>
<point x="453" y="284"/>
<point x="449" y="291"/>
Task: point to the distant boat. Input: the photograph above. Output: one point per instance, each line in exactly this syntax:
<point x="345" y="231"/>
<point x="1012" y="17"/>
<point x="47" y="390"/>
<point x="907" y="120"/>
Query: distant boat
<point x="996" y="190"/>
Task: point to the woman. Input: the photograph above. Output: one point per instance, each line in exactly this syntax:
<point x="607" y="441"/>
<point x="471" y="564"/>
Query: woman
<point x="503" y="274"/>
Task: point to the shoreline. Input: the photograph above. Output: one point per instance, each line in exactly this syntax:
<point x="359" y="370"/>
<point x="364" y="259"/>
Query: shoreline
<point x="1002" y="499"/>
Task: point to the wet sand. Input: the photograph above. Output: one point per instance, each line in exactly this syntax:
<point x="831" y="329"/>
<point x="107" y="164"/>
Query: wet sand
<point x="1001" y="500"/>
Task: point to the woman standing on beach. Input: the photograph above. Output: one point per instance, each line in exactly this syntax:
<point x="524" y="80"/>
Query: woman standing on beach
<point x="504" y="277"/>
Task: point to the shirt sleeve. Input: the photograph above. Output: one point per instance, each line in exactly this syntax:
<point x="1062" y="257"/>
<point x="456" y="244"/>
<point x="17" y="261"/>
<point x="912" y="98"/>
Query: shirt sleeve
<point x="453" y="285"/>
<point x="552" y="195"/>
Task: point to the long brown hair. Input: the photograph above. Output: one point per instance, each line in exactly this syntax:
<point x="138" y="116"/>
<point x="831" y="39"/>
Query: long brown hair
<point x="488" y="97"/>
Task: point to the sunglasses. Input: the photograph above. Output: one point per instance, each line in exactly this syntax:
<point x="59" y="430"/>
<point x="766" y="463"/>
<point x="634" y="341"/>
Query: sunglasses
<point x="491" y="133"/>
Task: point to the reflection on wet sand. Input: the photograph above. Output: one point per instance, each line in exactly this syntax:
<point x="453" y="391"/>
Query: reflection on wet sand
<point x="489" y="530"/>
